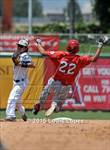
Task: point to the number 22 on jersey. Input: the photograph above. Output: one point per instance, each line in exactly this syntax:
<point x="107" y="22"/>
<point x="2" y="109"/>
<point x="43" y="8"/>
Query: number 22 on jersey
<point x="66" y="67"/>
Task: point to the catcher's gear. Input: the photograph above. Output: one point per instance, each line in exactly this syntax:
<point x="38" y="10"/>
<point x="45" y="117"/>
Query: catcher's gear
<point x="102" y="41"/>
<point x="73" y="46"/>
<point x="23" y="42"/>
<point x="38" y="41"/>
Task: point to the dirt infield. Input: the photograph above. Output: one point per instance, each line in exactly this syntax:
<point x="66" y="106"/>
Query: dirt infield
<point x="77" y="135"/>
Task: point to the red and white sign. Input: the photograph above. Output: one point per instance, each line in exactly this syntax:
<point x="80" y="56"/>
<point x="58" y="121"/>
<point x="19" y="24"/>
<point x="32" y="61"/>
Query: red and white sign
<point x="8" y="41"/>
<point x="92" y="88"/>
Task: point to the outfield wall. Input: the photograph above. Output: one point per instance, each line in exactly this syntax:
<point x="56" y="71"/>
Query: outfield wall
<point x="6" y="81"/>
<point x="91" y="90"/>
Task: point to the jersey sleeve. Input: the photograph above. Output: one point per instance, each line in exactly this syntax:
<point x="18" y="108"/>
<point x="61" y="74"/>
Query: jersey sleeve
<point x="85" y="60"/>
<point x="55" y="54"/>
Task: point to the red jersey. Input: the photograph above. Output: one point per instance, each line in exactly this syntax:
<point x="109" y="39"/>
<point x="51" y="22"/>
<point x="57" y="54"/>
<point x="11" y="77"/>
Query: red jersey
<point x="67" y="65"/>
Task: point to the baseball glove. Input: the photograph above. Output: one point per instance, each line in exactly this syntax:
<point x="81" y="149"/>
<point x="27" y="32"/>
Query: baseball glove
<point x="16" y="58"/>
<point x="102" y="41"/>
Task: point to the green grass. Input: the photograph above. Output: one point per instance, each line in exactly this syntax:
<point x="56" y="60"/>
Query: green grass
<point x="87" y="48"/>
<point x="99" y="115"/>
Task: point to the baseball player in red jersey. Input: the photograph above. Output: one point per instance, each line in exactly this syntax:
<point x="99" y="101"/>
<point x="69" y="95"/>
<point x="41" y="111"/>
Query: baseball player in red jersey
<point x="68" y="64"/>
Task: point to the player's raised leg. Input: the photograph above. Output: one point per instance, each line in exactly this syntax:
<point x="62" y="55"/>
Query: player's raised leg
<point x="55" y="100"/>
<point x="45" y="93"/>
<point x="61" y="93"/>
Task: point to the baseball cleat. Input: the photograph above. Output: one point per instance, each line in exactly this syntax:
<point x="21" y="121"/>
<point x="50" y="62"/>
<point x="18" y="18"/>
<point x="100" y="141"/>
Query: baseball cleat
<point x="24" y="117"/>
<point x="51" y="109"/>
<point x="10" y="119"/>
<point x="36" y="109"/>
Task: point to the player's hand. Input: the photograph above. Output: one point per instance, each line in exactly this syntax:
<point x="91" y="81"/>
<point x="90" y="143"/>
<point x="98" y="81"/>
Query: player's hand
<point x="15" y="59"/>
<point x="102" y="41"/>
<point x="38" y="41"/>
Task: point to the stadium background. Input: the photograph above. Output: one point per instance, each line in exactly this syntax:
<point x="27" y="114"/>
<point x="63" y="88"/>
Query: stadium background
<point x="94" y="100"/>
<point x="90" y="128"/>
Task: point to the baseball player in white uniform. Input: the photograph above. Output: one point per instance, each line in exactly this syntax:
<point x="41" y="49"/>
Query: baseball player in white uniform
<point x="22" y="61"/>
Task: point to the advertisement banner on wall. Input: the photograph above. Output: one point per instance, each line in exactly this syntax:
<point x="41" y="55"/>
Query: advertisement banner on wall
<point x="8" y="41"/>
<point x="92" y="88"/>
<point x="34" y="88"/>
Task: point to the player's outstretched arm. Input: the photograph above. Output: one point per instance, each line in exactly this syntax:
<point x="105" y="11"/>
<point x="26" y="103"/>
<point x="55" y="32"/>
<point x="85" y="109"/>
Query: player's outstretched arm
<point x="101" y="42"/>
<point x="39" y="46"/>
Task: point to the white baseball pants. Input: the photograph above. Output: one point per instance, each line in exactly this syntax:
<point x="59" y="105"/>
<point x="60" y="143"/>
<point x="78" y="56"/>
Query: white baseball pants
<point x="14" y="99"/>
